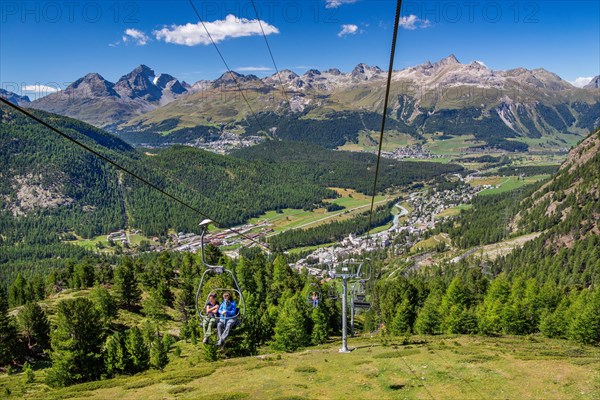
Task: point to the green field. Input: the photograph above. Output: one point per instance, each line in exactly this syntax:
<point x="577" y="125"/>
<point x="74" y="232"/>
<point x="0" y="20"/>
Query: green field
<point x="91" y="244"/>
<point x="431" y="243"/>
<point x="511" y="183"/>
<point x="369" y="141"/>
<point x="352" y="201"/>
<point x="439" y="367"/>
<point x="454" y="146"/>
<point x="453" y="211"/>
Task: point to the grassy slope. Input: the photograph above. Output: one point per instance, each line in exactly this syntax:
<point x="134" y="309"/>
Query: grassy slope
<point x="459" y="367"/>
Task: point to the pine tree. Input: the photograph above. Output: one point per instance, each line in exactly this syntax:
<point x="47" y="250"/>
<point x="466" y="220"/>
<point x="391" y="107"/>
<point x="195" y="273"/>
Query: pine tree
<point x="291" y="328"/>
<point x="320" y="330"/>
<point x="402" y="322"/>
<point x="491" y="310"/>
<point x="251" y="331"/>
<point x="17" y="292"/>
<point x="115" y="355"/>
<point x="126" y="285"/>
<point x="429" y="319"/>
<point x="158" y="353"/>
<point x="454" y="308"/>
<point x="105" y="304"/>
<point x="153" y="306"/>
<point x="34" y="326"/>
<point x="28" y="375"/>
<point x="83" y="275"/>
<point x="137" y="351"/>
<point x="76" y="343"/>
<point x="283" y="279"/>
<point x="8" y="334"/>
<point x="585" y="326"/>
<point x="555" y="324"/>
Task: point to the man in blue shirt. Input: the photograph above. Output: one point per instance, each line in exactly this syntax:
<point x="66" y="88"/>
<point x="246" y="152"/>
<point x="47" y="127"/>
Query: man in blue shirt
<point x="228" y="313"/>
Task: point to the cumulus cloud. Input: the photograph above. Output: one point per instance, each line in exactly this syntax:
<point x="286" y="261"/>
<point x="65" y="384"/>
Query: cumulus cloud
<point x="135" y="36"/>
<point x="412" y="22"/>
<point x="230" y="27"/>
<point x="244" y="69"/>
<point x="40" y="88"/>
<point x="581" y="81"/>
<point x="348" y="29"/>
<point x="337" y="3"/>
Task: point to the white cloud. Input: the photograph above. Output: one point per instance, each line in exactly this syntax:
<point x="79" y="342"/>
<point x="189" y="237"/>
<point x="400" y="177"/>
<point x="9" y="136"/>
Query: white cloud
<point x="40" y="89"/>
<point x="413" y="22"/>
<point x="337" y="3"/>
<point x="231" y="27"/>
<point x="581" y="81"/>
<point x="254" y="69"/>
<point x="348" y="29"/>
<point x="135" y="36"/>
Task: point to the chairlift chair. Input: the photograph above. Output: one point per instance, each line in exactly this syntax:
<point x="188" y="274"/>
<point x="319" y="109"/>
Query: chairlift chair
<point x="314" y="288"/>
<point x="236" y="291"/>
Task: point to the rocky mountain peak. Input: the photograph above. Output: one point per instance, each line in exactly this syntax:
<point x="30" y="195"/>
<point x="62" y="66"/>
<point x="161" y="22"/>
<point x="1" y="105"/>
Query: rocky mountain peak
<point x="594" y="83"/>
<point x="450" y="60"/>
<point x="286" y="75"/>
<point x="230" y="78"/>
<point x="364" y="72"/>
<point x="143" y="70"/>
<point x="168" y="82"/>
<point x="333" y="71"/>
<point x="14" y="98"/>
<point x="311" y="73"/>
<point x="93" y="85"/>
<point x="139" y="83"/>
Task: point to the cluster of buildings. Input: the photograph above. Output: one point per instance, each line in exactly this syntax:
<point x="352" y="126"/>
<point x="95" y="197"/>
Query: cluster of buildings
<point x="118" y="236"/>
<point x="415" y="151"/>
<point x="229" y="237"/>
<point x="228" y="142"/>
<point x="425" y="204"/>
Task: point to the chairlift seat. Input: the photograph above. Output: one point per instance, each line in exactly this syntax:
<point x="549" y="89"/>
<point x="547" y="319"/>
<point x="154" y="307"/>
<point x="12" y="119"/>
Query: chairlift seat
<point x="361" y="304"/>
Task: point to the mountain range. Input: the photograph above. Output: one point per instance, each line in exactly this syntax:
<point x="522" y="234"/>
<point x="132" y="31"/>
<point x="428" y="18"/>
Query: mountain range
<point x="504" y="109"/>
<point x="97" y="101"/>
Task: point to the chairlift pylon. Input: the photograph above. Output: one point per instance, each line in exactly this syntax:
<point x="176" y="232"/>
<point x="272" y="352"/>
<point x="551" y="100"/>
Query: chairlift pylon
<point x="348" y="270"/>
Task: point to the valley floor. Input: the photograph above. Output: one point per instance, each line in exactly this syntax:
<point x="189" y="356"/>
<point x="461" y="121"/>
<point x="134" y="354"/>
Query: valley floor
<point x="440" y="367"/>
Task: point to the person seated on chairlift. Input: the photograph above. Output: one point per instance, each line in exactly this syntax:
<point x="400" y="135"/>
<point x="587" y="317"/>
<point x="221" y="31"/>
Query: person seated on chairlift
<point x="212" y="313"/>
<point x="228" y="313"/>
<point x="315" y="299"/>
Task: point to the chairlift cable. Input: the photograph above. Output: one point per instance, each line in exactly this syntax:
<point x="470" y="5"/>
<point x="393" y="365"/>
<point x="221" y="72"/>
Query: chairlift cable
<point x="118" y="166"/>
<point x="385" y="107"/>
<point x="226" y="65"/>
<point x="285" y="95"/>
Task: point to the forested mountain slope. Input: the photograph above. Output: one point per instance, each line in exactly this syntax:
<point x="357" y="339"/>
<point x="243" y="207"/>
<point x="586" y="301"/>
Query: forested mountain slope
<point x="567" y="209"/>
<point x="52" y="187"/>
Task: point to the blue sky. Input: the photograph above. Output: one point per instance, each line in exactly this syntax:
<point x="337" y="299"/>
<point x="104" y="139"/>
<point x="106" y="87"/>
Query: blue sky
<point x="53" y="43"/>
